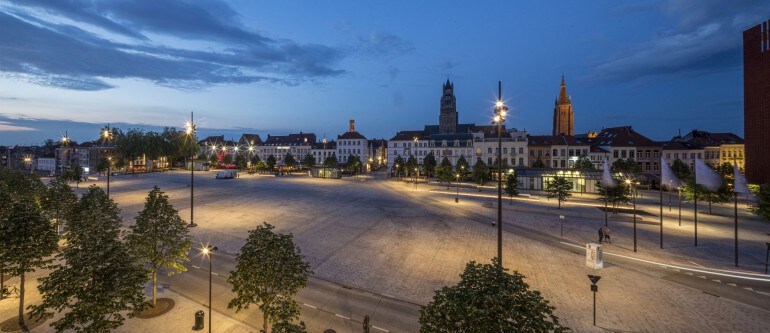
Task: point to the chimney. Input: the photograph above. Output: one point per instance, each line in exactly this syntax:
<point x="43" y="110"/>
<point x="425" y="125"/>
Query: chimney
<point x="352" y="125"/>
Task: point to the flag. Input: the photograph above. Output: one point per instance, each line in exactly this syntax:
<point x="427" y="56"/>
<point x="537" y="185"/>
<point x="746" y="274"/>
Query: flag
<point x="706" y="177"/>
<point x="607" y="180"/>
<point x="667" y="176"/>
<point x="739" y="181"/>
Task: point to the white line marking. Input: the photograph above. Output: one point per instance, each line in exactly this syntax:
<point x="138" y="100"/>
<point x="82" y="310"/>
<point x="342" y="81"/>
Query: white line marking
<point x="702" y="277"/>
<point x="195" y="266"/>
<point x="732" y="284"/>
<point x="379" y="328"/>
<point x="748" y="288"/>
<point x="717" y="281"/>
<point x="680" y="267"/>
<point x="341" y="316"/>
<point x="688" y="273"/>
<point x="310" y="306"/>
<point x="696" y="264"/>
<point x="214" y="273"/>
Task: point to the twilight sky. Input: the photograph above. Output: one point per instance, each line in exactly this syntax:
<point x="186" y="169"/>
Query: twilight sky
<point x="288" y="66"/>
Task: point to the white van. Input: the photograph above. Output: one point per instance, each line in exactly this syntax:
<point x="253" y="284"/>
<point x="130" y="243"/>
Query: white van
<point x="226" y="174"/>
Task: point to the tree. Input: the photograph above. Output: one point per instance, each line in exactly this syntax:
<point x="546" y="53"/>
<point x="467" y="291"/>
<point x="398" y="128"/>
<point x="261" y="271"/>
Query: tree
<point x="287" y="312"/>
<point x="762" y="207"/>
<point x="269" y="271"/>
<point x="73" y="174"/>
<point x="618" y="166"/>
<point x="255" y="161"/>
<point x="481" y="173"/>
<point x="240" y="162"/>
<point x="399" y="165"/>
<point x="558" y="188"/>
<point x="353" y="163"/>
<point x="411" y="165"/>
<point x="511" y="185"/>
<point x="227" y="159"/>
<point x="628" y="167"/>
<point x="58" y="200"/>
<point x="538" y="164"/>
<point x="615" y="195"/>
<point x="445" y="174"/>
<point x="214" y="159"/>
<point x="681" y="170"/>
<point x="462" y="167"/>
<point x="27" y="239"/>
<point x="99" y="280"/>
<point x="584" y="164"/>
<point x="331" y="161"/>
<point x="488" y="299"/>
<point x="271" y="162"/>
<point x="289" y="160"/>
<point x="308" y="161"/>
<point x="429" y="165"/>
<point x="160" y="237"/>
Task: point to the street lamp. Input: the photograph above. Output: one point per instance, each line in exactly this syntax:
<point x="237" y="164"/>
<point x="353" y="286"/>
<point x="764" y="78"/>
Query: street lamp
<point x="397" y="173"/>
<point x="633" y="195"/>
<point x="500" y="113"/>
<point x="208" y="252"/>
<point x="107" y="135"/>
<point x="28" y="162"/>
<point x="457" y="186"/>
<point x="190" y="129"/>
<point x="324" y="161"/>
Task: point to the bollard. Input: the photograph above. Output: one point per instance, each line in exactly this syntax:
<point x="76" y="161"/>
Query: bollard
<point x="199" y="315"/>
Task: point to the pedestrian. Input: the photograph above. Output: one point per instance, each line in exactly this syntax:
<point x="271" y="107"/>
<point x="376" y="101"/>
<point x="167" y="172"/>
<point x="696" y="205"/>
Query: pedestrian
<point x="601" y="235"/>
<point x="606" y="231"/>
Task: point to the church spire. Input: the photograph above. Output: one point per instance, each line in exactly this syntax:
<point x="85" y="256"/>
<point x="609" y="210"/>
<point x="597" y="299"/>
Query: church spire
<point x="563" y="97"/>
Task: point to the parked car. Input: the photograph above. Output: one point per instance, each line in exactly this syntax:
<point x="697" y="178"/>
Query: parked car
<point x="226" y="174"/>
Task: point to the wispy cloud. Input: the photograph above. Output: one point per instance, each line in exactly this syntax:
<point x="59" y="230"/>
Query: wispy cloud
<point x="379" y="43"/>
<point x="63" y="44"/>
<point x="705" y="38"/>
<point x="7" y="126"/>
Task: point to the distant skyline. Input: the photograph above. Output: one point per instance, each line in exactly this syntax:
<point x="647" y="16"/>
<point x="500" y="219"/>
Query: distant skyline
<point x="277" y="67"/>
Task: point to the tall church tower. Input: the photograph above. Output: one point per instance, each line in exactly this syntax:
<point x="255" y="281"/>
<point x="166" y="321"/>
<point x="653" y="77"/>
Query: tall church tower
<point x="563" y="117"/>
<point x="448" y="117"/>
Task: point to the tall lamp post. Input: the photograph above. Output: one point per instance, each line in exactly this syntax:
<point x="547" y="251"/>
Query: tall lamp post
<point x="107" y="135"/>
<point x="633" y="196"/>
<point x="457" y="186"/>
<point x="190" y="130"/>
<point x="324" y="161"/>
<point x="500" y="113"/>
<point x="28" y="162"/>
<point x="208" y="251"/>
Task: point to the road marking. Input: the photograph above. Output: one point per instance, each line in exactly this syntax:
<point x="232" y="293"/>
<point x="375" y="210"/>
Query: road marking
<point x="341" y="316"/>
<point x="748" y="288"/>
<point x="310" y="306"/>
<point x="214" y="273"/>
<point x="702" y="277"/>
<point x="717" y="281"/>
<point x="379" y="328"/>
<point x="696" y="264"/>
<point x="195" y="266"/>
<point x="732" y="284"/>
<point x="688" y="273"/>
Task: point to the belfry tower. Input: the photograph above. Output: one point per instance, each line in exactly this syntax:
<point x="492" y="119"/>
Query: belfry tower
<point x="563" y="117"/>
<point x="447" y="120"/>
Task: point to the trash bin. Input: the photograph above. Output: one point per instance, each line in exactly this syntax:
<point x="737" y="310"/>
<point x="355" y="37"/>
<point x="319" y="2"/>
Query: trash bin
<point x="199" y="320"/>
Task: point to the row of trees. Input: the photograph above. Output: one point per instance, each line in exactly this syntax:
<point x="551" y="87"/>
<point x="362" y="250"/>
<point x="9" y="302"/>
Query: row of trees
<point x="99" y="276"/>
<point x="136" y="143"/>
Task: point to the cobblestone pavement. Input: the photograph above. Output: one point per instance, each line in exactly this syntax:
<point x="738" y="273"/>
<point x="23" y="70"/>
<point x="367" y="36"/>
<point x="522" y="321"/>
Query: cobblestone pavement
<point x="407" y="241"/>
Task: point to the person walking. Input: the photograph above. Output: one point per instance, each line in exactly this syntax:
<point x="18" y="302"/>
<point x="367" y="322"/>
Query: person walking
<point x="606" y="232"/>
<point x="601" y="235"/>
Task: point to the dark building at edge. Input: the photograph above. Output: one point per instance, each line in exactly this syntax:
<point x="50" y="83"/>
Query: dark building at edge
<point x="756" y="102"/>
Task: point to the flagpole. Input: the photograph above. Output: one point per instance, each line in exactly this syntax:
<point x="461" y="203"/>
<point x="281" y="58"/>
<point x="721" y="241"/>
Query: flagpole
<point x="735" y="192"/>
<point x="695" y="197"/>
<point x="661" y="212"/>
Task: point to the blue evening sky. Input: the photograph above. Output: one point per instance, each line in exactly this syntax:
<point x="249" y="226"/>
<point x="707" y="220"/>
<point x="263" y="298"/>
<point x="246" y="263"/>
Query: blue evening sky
<point x="289" y="66"/>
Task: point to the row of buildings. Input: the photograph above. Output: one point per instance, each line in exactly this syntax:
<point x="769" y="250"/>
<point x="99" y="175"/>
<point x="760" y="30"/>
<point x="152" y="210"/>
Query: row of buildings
<point x="553" y="154"/>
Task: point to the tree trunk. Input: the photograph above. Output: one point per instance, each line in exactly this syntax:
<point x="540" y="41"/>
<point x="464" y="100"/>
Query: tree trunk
<point x="154" y="285"/>
<point x="559" y="201"/>
<point x="21" y="300"/>
<point x="264" y="321"/>
<point x="709" y="206"/>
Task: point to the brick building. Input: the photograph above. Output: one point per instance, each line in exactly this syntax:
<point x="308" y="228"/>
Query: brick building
<point x="756" y="102"/>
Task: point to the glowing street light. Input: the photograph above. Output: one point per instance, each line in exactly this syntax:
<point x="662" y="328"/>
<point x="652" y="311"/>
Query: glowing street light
<point x="208" y="251"/>
<point x="107" y="135"/>
<point x="457" y="186"/>
<point x="500" y="111"/>
<point x="633" y="195"/>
